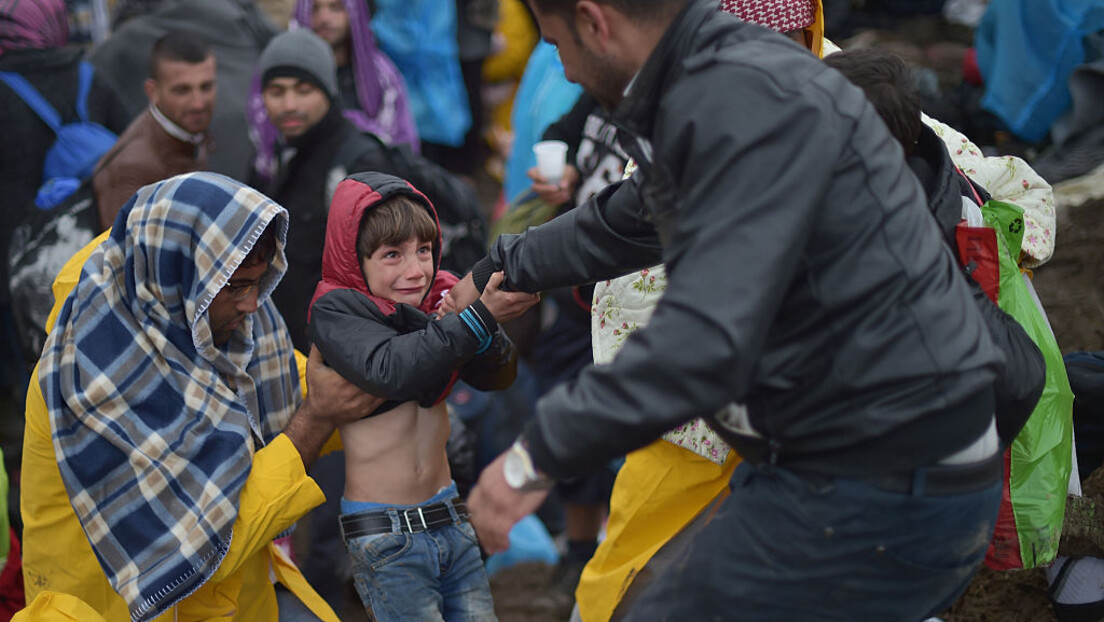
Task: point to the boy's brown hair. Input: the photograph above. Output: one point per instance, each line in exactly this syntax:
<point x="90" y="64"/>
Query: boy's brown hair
<point x="394" y="221"/>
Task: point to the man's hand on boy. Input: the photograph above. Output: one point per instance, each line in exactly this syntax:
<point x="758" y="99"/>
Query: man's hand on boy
<point x="505" y="305"/>
<point x="459" y="297"/>
<point x="495" y="507"/>
<point x="330" y="402"/>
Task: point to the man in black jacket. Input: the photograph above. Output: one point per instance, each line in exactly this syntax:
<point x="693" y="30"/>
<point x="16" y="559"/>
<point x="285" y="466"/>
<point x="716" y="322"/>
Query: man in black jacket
<point x="318" y="148"/>
<point x="807" y="280"/>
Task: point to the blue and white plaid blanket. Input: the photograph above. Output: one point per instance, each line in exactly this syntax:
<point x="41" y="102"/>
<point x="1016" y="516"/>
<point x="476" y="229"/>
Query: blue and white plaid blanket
<point x="154" y="426"/>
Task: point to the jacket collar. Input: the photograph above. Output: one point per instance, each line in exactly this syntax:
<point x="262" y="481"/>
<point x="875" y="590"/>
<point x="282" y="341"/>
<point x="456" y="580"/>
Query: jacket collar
<point x="637" y="111"/>
<point x="943" y="184"/>
<point x="174" y="130"/>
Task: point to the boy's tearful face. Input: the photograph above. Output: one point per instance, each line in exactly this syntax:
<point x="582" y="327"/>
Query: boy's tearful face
<point x="400" y="272"/>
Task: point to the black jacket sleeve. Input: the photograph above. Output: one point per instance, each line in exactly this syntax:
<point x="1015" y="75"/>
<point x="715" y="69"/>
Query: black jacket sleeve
<point x="495" y="369"/>
<point x="601" y="239"/>
<point x="1019" y="385"/>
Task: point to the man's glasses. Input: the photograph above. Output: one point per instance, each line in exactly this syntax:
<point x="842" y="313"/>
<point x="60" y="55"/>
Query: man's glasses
<point x="240" y="291"/>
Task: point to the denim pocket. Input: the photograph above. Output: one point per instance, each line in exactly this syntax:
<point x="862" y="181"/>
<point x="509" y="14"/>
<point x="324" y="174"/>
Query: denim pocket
<point x="377" y="550"/>
<point x="468" y="532"/>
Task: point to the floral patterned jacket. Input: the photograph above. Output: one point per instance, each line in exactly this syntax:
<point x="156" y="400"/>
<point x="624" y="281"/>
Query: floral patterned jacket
<point x="1010" y="180"/>
<point x="620" y="307"/>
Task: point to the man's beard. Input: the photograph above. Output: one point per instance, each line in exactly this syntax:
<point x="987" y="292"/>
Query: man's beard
<point x="606" y="83"/>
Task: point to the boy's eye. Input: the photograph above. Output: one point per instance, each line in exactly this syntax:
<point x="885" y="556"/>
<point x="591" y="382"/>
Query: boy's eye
<point x="426" y="249"/>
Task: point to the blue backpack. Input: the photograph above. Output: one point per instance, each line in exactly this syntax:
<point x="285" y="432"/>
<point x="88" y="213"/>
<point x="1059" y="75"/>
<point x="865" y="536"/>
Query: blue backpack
<point x="79" y="145"/>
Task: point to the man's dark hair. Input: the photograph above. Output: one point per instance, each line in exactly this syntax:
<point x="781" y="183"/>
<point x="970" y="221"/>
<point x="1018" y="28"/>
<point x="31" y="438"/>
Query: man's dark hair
<point x="889" y="84"/>
<point x="178" y="45"/>
<point x="643" y="10"/>
<point x="394" y="221"/>
<point x="264" y="249"/>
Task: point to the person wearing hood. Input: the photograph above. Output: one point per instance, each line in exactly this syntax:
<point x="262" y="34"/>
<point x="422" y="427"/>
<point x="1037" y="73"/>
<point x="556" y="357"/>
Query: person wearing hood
<point x="372" y="319"/>
<point x="318" y="147"/>
<point x="372" y="92"/>
<point x="167" y="438"/>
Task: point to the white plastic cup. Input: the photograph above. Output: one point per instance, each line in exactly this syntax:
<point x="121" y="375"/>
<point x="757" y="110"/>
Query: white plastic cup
<point x="551" y="157"/>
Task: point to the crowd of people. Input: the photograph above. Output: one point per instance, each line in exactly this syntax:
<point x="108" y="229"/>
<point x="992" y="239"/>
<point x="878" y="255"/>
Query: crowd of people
<point x="772" y="329"/>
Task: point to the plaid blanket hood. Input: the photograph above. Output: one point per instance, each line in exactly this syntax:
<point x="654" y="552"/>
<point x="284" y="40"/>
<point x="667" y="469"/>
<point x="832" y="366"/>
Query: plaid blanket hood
<point x="153" y="425"/>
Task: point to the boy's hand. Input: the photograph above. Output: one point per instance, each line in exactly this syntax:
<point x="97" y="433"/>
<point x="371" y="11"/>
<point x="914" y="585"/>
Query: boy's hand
<point x="505" y="305"/>
<point x="459" y="297"/>
<point x="559" y="193"/>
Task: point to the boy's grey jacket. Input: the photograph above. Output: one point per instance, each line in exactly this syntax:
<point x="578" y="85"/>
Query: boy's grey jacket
<point x="806" y="277"/>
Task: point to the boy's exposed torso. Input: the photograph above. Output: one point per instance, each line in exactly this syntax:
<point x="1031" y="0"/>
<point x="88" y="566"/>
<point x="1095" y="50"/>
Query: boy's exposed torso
<point x="397" y="457"/>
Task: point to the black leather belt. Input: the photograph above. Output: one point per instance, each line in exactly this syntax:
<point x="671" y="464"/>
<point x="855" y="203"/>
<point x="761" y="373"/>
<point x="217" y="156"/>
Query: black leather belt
<point x="942" y="479"/>
<point x="411" y="520"/>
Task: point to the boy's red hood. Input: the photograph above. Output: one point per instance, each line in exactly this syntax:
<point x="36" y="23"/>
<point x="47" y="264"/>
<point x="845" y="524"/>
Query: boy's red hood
<point x="355" y="195"/>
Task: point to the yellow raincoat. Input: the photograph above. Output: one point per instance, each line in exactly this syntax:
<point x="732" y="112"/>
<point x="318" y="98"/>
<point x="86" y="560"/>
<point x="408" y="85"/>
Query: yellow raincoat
<point x="58" y="558"/>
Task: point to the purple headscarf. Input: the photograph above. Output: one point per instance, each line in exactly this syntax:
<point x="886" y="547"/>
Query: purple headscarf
<point x="384" y="104"/>
<point x="33" y="24"/>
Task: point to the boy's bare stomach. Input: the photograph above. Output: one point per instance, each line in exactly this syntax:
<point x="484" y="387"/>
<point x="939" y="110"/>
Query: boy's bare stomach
<point x="397" y="457"/>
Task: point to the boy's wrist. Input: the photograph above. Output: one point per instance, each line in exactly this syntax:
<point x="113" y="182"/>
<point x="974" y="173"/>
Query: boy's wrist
<point x="481" y="323"/>
<point x="485" y="316"/>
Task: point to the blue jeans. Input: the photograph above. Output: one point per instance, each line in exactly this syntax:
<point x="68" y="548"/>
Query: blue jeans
<point x="789" y="547"/>
<point x="429" y="575"/>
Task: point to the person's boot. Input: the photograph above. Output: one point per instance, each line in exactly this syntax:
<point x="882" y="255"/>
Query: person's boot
<point x="1076" y="593"/>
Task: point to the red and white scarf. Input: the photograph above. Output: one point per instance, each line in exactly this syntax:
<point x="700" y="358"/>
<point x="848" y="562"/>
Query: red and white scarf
<point x="778" y="15"/>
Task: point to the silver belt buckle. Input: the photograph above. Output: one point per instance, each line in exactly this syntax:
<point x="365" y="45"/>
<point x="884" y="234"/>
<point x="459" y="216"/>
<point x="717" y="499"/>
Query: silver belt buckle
<point x="421" y="517"/>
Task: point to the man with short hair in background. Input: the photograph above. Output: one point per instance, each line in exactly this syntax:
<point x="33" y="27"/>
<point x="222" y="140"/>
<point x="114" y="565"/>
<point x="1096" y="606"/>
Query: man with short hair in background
<point x="170" y="137"/>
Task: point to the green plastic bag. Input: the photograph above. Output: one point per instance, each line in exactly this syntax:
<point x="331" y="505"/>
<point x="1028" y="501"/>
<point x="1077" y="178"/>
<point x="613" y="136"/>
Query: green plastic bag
<point x="527" y="210"/>
<point x="1039" y="461"/>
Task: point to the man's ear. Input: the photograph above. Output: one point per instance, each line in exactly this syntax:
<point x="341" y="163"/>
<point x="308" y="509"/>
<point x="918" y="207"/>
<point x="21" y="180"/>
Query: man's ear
<point x="150" y="87"/>
<point x="593" y="24"/>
